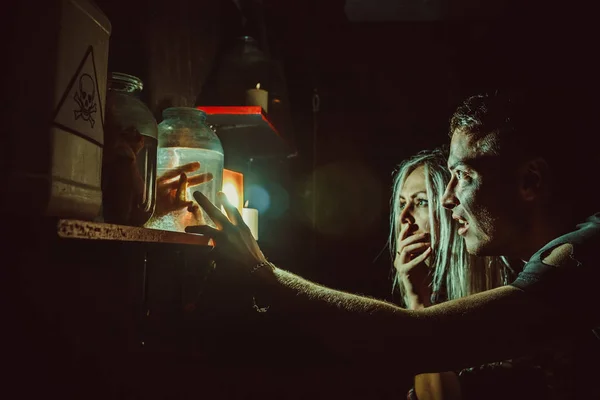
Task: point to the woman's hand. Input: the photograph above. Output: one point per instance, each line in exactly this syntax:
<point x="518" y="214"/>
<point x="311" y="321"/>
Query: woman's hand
<point x="171" y="189"/>
<point x="414" y="273"/>
<point x="232" y="237"/>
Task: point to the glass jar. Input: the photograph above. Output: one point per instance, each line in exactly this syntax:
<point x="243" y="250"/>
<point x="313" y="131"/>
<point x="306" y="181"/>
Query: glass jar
<point x="190" y="157"/>
<point x="129" y="157"/>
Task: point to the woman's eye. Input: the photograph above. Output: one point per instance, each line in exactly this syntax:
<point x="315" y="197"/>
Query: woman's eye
<point x="422" y="203"/>
<point x="402" y="205"/>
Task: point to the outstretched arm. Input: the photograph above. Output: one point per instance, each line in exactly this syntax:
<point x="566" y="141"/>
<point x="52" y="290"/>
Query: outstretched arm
<point x="489" y="326"/>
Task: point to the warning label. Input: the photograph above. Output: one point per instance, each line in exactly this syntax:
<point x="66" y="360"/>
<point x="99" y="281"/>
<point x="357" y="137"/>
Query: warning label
<point x="79" y="109"/>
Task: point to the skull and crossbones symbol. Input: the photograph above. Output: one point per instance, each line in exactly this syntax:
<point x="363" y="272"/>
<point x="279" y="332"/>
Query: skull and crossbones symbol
<point x="85" y="99"/>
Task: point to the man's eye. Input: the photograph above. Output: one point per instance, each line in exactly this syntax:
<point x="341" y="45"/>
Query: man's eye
<point x="402" y="205"/>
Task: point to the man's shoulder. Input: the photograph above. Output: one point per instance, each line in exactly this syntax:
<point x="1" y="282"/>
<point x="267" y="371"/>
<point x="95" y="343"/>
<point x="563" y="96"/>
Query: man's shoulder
<point x="568" y="247"/>
<point x="566" y="254"/>
<point x="566" y="272"/>
<point x="560" y="256"/>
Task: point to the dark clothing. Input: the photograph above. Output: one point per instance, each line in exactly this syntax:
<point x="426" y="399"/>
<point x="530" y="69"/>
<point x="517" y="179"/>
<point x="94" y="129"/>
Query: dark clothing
<point x="578" y="284"/>
<point x="563" y="369"/>
<point x="573" y="291"/>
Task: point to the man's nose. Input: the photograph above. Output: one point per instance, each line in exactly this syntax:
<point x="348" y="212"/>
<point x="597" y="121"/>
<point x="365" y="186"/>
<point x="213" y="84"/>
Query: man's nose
<point x="449" y="199"/>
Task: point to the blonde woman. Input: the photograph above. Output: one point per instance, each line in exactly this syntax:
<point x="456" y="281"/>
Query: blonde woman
<point x="419" y="223"/>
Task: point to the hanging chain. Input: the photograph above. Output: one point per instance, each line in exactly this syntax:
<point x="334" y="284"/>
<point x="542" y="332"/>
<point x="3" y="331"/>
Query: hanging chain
<point x="316" y="105"/>
<point x="191" y="305"/>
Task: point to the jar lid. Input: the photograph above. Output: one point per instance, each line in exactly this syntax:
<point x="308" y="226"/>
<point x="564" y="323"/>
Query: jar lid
<point x="184" y="111"/>
<point x="128" y="81"/>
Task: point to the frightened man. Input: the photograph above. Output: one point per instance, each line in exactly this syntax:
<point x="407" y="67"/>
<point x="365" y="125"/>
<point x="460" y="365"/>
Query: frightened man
<point x="518" y="190"/>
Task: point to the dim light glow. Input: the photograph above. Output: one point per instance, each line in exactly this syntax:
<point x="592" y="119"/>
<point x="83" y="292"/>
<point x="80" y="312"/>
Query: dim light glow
<point x="233" y="187"/>
<point x="250" y="218"/>
<point x="231" y="193"/>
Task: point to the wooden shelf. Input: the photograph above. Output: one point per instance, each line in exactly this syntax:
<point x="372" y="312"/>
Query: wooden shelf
<point x="75" y="229"/>
<point x="245" y="131"/>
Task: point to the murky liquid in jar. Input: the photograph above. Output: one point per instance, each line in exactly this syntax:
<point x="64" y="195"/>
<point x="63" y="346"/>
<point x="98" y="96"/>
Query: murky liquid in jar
<point x="210" y="162"/>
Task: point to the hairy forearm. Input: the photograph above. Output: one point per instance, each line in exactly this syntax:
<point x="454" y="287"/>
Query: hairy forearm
<point x="356" y="327"/>
<point x="301" y="291"/>
<point x="486" y="327"/>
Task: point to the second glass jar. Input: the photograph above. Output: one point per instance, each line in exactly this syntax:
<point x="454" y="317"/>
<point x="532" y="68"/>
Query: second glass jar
<point x="129" y="158"/>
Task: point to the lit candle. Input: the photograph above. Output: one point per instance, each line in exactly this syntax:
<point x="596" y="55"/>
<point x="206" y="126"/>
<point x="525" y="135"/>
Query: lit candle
<point x="250" y="217"/>
<point x="258" y="97"/>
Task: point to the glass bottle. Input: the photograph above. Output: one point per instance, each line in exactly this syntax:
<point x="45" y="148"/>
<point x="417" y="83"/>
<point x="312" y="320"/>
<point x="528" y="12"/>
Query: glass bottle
<point x="188" y="151"/>
<point x="129" y="158"/>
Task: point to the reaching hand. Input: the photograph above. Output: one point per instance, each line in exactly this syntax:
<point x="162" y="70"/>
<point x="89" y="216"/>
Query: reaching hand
<point x="171" y="189"/>
<point x="232" y="236"/>
<point x="414" y="273"/>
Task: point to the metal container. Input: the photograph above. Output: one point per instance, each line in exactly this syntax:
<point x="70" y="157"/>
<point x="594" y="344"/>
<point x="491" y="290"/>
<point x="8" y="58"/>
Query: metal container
<point x="59" y="51"/>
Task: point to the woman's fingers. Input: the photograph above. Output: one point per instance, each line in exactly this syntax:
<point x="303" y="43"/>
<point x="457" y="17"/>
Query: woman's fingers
<point x="408" y="251"/>
<point x="406" y="265"/>
<point x="404" y="234"/>
<point x="422" y="257"/>
<point x="420" y="237"/>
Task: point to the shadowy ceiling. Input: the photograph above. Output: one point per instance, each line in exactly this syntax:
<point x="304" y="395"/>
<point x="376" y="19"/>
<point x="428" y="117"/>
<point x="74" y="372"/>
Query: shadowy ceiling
<point x="421" y="10"/>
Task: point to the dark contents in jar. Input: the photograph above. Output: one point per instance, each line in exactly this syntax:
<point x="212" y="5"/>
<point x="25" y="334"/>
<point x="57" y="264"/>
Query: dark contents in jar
<point x="128" y="176"/>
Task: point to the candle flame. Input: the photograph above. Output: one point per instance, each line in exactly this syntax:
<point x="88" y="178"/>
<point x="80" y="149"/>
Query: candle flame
<point x="246" y="204"/>
<point x="258" y="85"/>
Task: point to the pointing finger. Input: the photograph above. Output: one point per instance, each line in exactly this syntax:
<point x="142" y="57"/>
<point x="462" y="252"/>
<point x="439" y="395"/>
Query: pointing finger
<point x="213" y="212"/>
<point x="232" y="213"/>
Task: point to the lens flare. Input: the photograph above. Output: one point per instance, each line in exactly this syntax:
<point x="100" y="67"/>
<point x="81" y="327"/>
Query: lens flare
<point x="258" y="198"/>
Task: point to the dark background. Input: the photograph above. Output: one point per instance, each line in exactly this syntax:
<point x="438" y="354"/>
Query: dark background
<point x="389" y="75"/>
